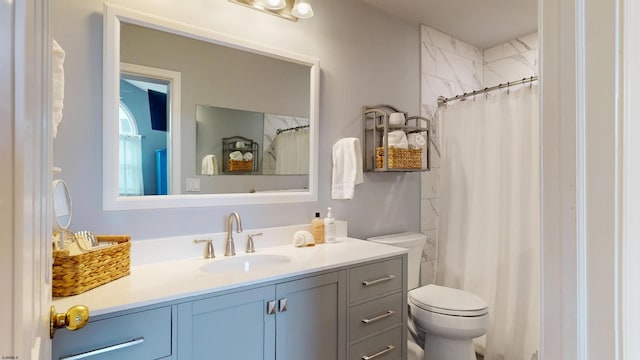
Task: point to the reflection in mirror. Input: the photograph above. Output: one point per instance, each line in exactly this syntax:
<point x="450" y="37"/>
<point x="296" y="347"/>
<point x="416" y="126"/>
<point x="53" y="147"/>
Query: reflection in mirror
<point x="149" y="114"/>
<point x="61" y="205"/>
<point x="277" y="144"/>
<point x="222" y="71"/>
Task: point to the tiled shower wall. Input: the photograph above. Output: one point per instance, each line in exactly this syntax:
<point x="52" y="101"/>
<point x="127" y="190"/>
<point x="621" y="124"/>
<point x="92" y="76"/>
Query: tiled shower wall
<point x="451" y="67"/>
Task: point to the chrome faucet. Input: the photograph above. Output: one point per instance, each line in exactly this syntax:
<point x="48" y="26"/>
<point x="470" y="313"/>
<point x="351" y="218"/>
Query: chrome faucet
<point x="229" y="246"/>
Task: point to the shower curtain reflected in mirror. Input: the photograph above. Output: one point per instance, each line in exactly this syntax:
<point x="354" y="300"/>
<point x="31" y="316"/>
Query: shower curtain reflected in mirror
<point x="291" y="149"/>
<point x="489" y="221"/>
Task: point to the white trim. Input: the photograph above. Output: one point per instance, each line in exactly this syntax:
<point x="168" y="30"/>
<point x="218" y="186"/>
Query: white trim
<point x="7" y="331"/>
<point x="629" y="250"/>
<point x="111" y="201"/>
<point x="582" y="290"/>
<point x="558" y="327"/>
<point x="31" y="172"/>
<point x="175" y="94"/>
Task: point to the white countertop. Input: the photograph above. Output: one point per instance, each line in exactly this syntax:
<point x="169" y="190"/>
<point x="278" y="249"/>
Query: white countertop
<point x="153" y="283"/>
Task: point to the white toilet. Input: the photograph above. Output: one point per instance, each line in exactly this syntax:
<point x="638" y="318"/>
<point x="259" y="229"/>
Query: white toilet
<point x="442" y="321"/>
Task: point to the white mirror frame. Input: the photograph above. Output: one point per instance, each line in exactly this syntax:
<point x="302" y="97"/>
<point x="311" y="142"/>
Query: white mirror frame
<point x="111" y="200"/>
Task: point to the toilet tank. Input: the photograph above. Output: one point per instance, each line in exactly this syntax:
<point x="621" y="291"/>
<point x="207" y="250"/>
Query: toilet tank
<point x="414" y="242"/>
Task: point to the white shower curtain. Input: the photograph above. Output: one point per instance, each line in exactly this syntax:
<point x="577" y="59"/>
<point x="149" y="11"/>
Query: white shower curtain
<point x="489" y="221"/>
<point x="292" y="152"/>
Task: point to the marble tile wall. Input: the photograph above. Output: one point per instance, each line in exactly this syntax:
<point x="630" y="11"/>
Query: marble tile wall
<point x="512" y="60"/>
<point x="451" y="67"/>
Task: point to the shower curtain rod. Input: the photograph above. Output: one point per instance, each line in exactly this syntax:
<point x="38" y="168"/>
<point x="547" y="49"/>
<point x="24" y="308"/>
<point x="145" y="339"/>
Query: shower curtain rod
<point x="279" y="131"/>
<point x="443" y="100"/>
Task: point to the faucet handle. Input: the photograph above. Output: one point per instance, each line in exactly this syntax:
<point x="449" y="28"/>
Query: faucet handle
<point x="250" y="246"/>
<point x="209" y="252"/>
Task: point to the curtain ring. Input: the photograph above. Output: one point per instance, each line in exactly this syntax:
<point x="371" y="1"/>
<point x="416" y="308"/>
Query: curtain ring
<point x="508" y="88"/>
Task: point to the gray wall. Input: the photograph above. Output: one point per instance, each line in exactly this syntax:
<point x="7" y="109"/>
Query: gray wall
<point x="366" y="58"/>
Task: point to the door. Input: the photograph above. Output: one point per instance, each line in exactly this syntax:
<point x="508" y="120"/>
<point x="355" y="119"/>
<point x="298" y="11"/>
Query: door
<point x="234" y="326"/>
<point x="24" y="192"/>
<point x="311" y="320"/>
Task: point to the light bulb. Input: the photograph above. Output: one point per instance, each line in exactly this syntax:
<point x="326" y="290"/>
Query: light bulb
<point x="274" y="4"/>
<point x="302" y="9"/>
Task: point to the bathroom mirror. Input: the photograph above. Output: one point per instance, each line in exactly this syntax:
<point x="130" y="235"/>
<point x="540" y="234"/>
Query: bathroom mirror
<point x="61" y="205"/>
<point x="288" y="87"/>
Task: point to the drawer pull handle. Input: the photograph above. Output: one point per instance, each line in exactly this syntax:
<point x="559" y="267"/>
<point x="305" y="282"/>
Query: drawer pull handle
<point x="379" y="317"/>
<point x="378" y="281"/>
<point x="379" y="353"/>
<point x="106" y="349"/>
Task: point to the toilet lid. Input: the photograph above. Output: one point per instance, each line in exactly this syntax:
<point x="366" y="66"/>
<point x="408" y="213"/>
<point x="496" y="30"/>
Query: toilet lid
<point x="448" y="301"/>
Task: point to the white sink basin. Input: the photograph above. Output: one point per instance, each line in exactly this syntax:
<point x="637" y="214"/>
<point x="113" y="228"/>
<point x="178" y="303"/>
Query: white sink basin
<point x="245" y="263"/>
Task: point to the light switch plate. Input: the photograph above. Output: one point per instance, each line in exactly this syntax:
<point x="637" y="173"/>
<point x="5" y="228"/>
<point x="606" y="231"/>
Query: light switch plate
<point x="193" y="185"/>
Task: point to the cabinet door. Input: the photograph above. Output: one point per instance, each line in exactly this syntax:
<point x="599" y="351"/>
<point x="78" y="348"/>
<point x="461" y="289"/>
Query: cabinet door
<point x="234" y="326"/>
<point x="312" y="325"/>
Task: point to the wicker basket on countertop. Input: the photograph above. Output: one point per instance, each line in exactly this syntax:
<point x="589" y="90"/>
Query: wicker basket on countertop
<point x="76" y="274"/>
<point x="399" y="158"/>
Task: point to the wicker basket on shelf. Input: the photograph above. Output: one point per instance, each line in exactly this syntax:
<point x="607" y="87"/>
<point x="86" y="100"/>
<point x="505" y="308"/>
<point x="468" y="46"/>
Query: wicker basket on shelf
<point x="75" y="274"/>
<point x="399" y="158"/>
<point x="240" y="165"/>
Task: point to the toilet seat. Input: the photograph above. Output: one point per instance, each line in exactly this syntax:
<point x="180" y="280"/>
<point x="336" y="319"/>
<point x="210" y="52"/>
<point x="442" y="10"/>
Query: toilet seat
<point x="447" y="301"/>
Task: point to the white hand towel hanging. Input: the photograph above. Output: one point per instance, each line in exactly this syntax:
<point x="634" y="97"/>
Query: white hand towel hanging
<point x="209" y="165"/>
<point x="398" y="140"/>
<point x="57" y="85"/>
<point x="347" y="168"/>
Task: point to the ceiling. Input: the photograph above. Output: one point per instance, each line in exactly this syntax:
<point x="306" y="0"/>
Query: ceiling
<point x="482" y="23"/>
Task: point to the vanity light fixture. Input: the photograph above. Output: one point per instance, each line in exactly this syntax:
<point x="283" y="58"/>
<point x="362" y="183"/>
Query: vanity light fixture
<point x="286" y="9"/>
<point x="302" y="9"/>
<point x="274" y="4"/>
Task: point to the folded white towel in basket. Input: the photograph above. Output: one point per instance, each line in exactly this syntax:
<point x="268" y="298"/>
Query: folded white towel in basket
<point x="247" y="156"/>
<point x="236" y="155"/>
<point x="398" y="140"/>
<point x="347" y="168"/>
<point x="416" y="141"/>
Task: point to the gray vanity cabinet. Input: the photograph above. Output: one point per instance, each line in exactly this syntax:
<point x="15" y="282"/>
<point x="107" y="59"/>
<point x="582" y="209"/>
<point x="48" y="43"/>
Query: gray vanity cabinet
<point x="312" y="325"/>
<point x="137" y="335"/>
<point x="233" y="326"/>
<point x="300" y="319"/>
<point x="357" y="312"/>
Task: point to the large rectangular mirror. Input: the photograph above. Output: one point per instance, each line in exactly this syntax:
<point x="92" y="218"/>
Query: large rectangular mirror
<point x="171" y="95"/>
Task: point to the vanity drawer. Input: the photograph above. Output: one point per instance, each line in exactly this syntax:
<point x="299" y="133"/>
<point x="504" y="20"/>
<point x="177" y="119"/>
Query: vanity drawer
<point x="141" y="335"/>
<point x="375" y="279"/>
<point x="385" y="346"/>
<point x="368" y="318"/>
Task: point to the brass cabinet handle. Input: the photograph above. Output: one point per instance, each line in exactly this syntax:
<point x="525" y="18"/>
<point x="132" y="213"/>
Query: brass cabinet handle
<point x="378" y="281"/>
<point x="379" y="317"/>
<point x="105" y="349"/>
<point x="379" y="353"/>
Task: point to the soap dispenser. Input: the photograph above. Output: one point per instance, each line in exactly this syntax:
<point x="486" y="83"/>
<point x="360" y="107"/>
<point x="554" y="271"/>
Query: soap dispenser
<point x="329" y="227"/>
<point x="317" y="229"/>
